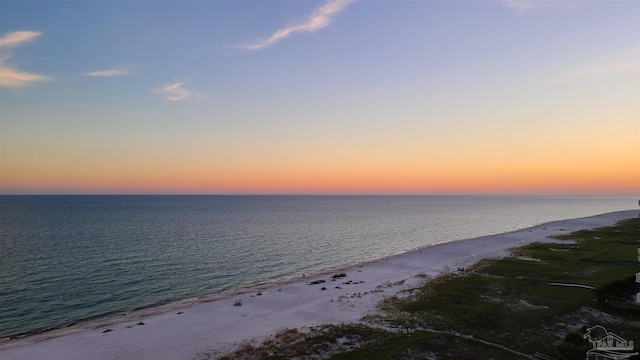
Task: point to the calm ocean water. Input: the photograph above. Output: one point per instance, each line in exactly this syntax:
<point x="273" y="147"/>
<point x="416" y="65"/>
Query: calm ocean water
<point x="65" y="259"/>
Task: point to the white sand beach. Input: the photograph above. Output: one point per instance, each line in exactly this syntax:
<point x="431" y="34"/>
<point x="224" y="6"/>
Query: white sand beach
<point x="181" y="330"/>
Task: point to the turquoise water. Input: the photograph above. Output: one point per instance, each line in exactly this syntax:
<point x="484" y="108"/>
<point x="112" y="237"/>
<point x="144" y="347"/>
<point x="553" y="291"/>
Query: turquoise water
<point x="65" y="259"/>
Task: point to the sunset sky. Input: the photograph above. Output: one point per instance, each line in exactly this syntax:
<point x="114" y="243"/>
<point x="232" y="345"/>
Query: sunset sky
<point x="320" y="97"/>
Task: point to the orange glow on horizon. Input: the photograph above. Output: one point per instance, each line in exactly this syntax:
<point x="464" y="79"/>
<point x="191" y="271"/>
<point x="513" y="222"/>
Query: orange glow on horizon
<point x="619" y="180"/>
<point x="465" y="163"/>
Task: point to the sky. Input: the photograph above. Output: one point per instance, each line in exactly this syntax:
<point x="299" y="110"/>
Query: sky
<point x="320" y="97"/>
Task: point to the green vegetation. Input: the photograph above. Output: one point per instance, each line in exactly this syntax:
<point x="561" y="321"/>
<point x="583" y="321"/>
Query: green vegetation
<point x="315" y="342"/>
<point x="539" y="301"/>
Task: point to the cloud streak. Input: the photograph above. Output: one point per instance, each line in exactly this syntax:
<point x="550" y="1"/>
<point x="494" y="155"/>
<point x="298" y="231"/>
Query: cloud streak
<point x="624" y="67"/>
<point x="622" y="63"/>
<point x="522" y="6"/>
<point x="10" y="76"/>
<point x="17" y="38"/>
<point x="175" y="92"/>
<point x="320" y="18"/>
<point x="15" y="78"/>
<point x="519" y="6"/>
<point x="106" y="73"/>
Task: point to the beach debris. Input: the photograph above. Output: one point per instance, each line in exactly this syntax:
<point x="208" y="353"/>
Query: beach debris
<point x="238" y="302"/>
<point x="108" y="330"/>
<point x="388" y="284"/>
<point x="316" y="282"/>
<point x="341" y="275"/>
<point x="323" y="288"/>
<point x="140" y="323"/>
<point x="572" y="285"/>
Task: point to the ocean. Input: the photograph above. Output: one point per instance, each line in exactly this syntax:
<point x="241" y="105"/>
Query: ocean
<point x="67" y="259"/>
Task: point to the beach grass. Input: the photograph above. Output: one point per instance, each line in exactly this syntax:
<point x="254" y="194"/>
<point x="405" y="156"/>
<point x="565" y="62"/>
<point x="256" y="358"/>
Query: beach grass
<point x="540" y="300"/>
<point x="533" y="300"/>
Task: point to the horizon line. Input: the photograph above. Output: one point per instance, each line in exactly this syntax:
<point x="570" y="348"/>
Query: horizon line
<point x="322" y="194"/>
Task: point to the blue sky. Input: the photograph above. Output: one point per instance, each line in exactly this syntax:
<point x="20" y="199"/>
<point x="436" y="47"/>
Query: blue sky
<point x="348" y="96"/>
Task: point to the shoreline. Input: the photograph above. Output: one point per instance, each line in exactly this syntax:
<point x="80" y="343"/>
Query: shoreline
<point x="181" y="329"/>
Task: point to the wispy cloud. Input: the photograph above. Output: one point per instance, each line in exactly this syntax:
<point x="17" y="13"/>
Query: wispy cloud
<point x="9" y="75"/>
<point x="519" y="6"/>
<point x="624" y="67"/>
<point x="15" y="78"/>
<point x="522" y="6"/>
<point x="622" y="63"/>
<point x="320" y="18"/>
<point x="175" y="92"/>
<point x="106" y="73"/>
<point x="18" y="38"/>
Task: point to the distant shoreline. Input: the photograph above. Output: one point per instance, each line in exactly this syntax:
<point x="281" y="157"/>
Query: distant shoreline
<point x="171" y="305"/>
<point x="180" y="248"/>
<point x="291" y="302"/>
